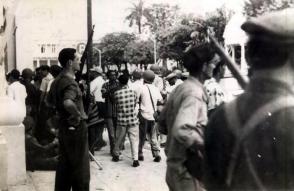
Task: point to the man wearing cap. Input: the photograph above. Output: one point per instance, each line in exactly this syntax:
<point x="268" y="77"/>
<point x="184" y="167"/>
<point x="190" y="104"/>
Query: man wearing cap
<point x="264" y="158"/>
<point x="183" y="119"/>
<point x="150" y="99"/>
<point x="33" y="94"/>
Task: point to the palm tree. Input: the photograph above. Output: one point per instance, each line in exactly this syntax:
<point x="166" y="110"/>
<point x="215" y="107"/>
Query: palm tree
<point x="137" y="12"/>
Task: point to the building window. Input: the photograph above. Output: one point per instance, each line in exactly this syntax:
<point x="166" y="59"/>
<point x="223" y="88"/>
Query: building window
<point x="53" y="62"/>
<point x="43" y="62"/>
<point x="35" y="64"/>
<point x="42" y="48"/>
<point x="53" y="48"/>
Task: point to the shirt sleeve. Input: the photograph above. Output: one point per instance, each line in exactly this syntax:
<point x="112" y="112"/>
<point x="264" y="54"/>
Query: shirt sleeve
<point x="70" y="92"/>
<point x="184" y="128"/>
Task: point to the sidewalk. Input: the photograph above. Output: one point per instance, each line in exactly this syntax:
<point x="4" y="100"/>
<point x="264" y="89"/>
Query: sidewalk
<point x="115" y="176"/>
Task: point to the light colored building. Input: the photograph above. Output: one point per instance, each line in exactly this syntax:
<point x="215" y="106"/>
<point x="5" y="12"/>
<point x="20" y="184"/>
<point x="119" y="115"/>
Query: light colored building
<point x="45" y="27"/>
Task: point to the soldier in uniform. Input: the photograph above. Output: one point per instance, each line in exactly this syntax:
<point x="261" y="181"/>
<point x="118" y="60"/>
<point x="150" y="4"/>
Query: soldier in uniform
<point x="73" y="171"/>
<point x="183" y="119"/>
<point x="249" y="142"/>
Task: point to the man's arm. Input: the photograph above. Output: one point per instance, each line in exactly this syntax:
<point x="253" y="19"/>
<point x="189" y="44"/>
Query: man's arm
<point x="184" y="128"/>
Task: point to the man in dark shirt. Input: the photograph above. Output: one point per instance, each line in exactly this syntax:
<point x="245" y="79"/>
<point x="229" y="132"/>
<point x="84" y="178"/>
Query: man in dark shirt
<point x="73" y="171"/>
<point x="260" y="157"/>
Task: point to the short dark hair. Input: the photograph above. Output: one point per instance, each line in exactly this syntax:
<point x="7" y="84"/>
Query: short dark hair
<point x="123" y="79"/>
<point x="65" y="55"/>
<point x="55" y="70"/>
<point x="195" y="58"/>
<point x="267" y="55"/>
<point x="110" y="71"/>
<point x="15" y="74"/>
<point x="44" y="68"/>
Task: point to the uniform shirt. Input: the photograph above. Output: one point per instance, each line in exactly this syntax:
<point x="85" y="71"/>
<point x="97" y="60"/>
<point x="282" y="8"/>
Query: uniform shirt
<point x="185" y="110"/>
<point x="215" y="94"/>
<point x="270" y="144"/>
<point x="64" y="87"/>
<point x="146" y="107"/>
<point x="95" y="88"/>
<point x="126" y="100"/>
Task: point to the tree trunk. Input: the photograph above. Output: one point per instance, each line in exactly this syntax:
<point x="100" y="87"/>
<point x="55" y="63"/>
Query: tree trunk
<point x="126" y="66"/>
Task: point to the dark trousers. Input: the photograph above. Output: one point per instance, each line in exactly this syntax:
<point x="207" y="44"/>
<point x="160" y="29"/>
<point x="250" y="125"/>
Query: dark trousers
<point x="147" y="128"/>
<point x="73" y="169"/>
<point x="95" y="136"/>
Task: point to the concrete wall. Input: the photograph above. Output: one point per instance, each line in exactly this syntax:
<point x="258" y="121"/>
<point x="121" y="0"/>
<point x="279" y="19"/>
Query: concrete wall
<point x="47" y="22"/>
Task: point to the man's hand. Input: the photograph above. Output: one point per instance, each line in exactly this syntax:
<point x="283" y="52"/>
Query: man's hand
<point x="74" y="120"/>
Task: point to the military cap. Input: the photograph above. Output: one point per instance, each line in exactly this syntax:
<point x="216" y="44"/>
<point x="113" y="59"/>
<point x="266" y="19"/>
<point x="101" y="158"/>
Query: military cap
<point x="27" y="73"/>
<point x="275" y="27"/>
<point x="148" y="76"/>
<point x="137" y="74"/>
<point x="155" y="68"/>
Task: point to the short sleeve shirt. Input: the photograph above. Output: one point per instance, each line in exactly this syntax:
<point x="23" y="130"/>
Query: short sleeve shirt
<point x="126" y="100"/>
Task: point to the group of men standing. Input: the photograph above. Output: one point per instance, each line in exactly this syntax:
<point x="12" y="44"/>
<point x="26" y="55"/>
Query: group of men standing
<point x="246" y="144"/>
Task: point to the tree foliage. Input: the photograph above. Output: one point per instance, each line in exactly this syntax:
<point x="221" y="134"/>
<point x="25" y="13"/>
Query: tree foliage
<point x="139" y="53"/>
<point x="113" y="47"/>
<point x="137" y="12"/>
<point x="254" y="8"/>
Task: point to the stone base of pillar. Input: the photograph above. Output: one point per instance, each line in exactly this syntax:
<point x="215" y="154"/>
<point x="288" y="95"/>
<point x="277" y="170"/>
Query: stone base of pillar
<point x="15" y="138"/>
<point x="3" y="163"/>
<point x="11" y="117"/>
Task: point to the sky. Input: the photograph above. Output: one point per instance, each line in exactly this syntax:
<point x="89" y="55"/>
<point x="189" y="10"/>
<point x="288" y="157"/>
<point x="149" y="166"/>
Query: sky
<point x="109" y="15"/>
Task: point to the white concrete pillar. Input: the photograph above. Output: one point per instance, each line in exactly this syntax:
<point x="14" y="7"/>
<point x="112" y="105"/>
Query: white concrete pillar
<point x="11" y="117"/>
<point x="3" y="163"/>
<point x="244" y="68"/>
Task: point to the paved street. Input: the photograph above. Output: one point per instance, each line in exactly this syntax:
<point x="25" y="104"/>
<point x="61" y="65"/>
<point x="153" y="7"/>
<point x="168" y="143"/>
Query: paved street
<point x="115" y="176"/>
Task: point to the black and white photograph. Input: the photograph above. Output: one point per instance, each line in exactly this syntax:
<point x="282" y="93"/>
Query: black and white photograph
<point x="146" y="95"/>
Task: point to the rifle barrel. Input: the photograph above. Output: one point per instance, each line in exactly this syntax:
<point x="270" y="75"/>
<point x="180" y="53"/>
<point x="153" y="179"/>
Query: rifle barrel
<point x="242" y="80"/>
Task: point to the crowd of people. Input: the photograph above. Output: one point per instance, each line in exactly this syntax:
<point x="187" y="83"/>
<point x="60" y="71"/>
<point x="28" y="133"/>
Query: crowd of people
<point x="243" y="145"/>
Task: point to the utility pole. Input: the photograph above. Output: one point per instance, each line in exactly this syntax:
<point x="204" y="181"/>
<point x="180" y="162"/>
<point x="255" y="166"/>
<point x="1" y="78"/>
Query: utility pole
<point x="89" y="24"/>
<point x="89" y="58"/>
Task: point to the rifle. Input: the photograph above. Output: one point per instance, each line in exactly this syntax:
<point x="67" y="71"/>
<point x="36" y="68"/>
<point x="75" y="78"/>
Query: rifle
<point x="243" y="81"/>
<point x="84" y="55"/>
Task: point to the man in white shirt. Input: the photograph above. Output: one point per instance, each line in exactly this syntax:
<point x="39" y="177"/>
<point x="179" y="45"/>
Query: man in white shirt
<point x="16" y="90"/>
<point x="96" y="132"/>
<point x="150" y="97"/>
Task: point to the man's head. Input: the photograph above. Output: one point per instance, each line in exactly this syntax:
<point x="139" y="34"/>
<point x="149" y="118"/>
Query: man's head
<point x="111" y="75"/>
<point x="44" y="70"/>
<point x="271" y="40"/>
<point x="123" y="79"/>
<point x="13" y="76"/>
<point x="68" y="58"/>
<point x="27" y="74"/>
<point x="137" y="74"/>
<point x="155" y="68"/>
<point x="195" y="58"/>
<point x="55" y="70"/>
<point x="148" y="76"/>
